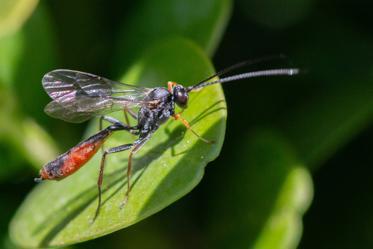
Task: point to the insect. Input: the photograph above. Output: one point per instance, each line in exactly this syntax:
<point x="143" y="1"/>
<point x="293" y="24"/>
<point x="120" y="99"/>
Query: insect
<point x="79" y="96"/>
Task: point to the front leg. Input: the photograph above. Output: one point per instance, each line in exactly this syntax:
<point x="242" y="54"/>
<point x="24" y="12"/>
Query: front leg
<point x="187" y="125"/>
<point x="170" y="85"/>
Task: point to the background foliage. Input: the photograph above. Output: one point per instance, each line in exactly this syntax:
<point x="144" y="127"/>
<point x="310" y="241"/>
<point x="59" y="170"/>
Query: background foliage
<point x="295" y="167"/>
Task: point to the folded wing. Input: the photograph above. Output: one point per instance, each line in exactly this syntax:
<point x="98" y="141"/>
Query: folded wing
<point x="78" y="96"/>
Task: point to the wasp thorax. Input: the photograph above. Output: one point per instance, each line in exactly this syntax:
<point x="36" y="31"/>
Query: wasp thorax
<point x="181" y="96"/>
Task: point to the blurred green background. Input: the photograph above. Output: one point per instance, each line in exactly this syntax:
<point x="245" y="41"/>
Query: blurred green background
<point x="295" y="169"/>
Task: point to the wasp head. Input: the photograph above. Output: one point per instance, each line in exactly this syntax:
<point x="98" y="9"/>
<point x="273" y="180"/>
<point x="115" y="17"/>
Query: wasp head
<point x="181" y="96"/>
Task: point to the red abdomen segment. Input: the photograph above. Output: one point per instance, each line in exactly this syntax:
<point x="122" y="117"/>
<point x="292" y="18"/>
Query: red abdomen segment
<point x="69" y="162"/>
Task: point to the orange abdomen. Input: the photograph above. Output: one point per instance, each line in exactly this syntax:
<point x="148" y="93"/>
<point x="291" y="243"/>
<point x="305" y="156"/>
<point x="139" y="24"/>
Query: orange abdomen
<point x="69" y="162"/>
<point x="78" y="156"/>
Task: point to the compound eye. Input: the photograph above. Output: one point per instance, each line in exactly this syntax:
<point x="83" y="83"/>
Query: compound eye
<point x="181" y="96"/>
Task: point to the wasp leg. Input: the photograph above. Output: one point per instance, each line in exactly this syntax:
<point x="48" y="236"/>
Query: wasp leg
<point x="137" y="145"/>
<point x="131" y="129"/>
<point x="110" y="120"/>
<point x="132" y="113"/>
<point x="117" y="122"/>
<point x="127" y="111"/>
<point x="126" y="117"/>
<point x="102" y="167"/>
<point x="170" y="85"/>
<point x="187" y="125"/>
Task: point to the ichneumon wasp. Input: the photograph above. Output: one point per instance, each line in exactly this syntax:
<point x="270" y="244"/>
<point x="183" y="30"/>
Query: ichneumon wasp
<point x="79" y="96"/>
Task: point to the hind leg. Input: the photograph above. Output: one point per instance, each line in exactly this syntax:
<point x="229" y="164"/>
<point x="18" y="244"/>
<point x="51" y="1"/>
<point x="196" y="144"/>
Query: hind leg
<point x="102" y="167"/>
<point x="138" y="144"/>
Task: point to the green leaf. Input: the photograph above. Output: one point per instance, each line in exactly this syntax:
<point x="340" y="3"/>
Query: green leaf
<point x="13" y="13"/>
<point x="168" y="167"/>
<point x="10" y="54"/>
<point x="25" y="56"/>
<point x="25" y="137"/>
<point x="263" y="199"/>
<point x="38" y="56"/>
<point x="202" y="21"/>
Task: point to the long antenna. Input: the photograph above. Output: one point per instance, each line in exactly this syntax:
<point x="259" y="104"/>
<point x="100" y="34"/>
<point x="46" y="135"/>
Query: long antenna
<point x="269" y="72"/>
<point x="244" y="63"/>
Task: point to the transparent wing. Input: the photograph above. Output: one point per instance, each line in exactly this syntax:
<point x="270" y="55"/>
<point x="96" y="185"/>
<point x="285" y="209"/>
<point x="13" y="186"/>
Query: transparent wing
<point x="78" y="96"/>
<point x="80" y="110"/>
